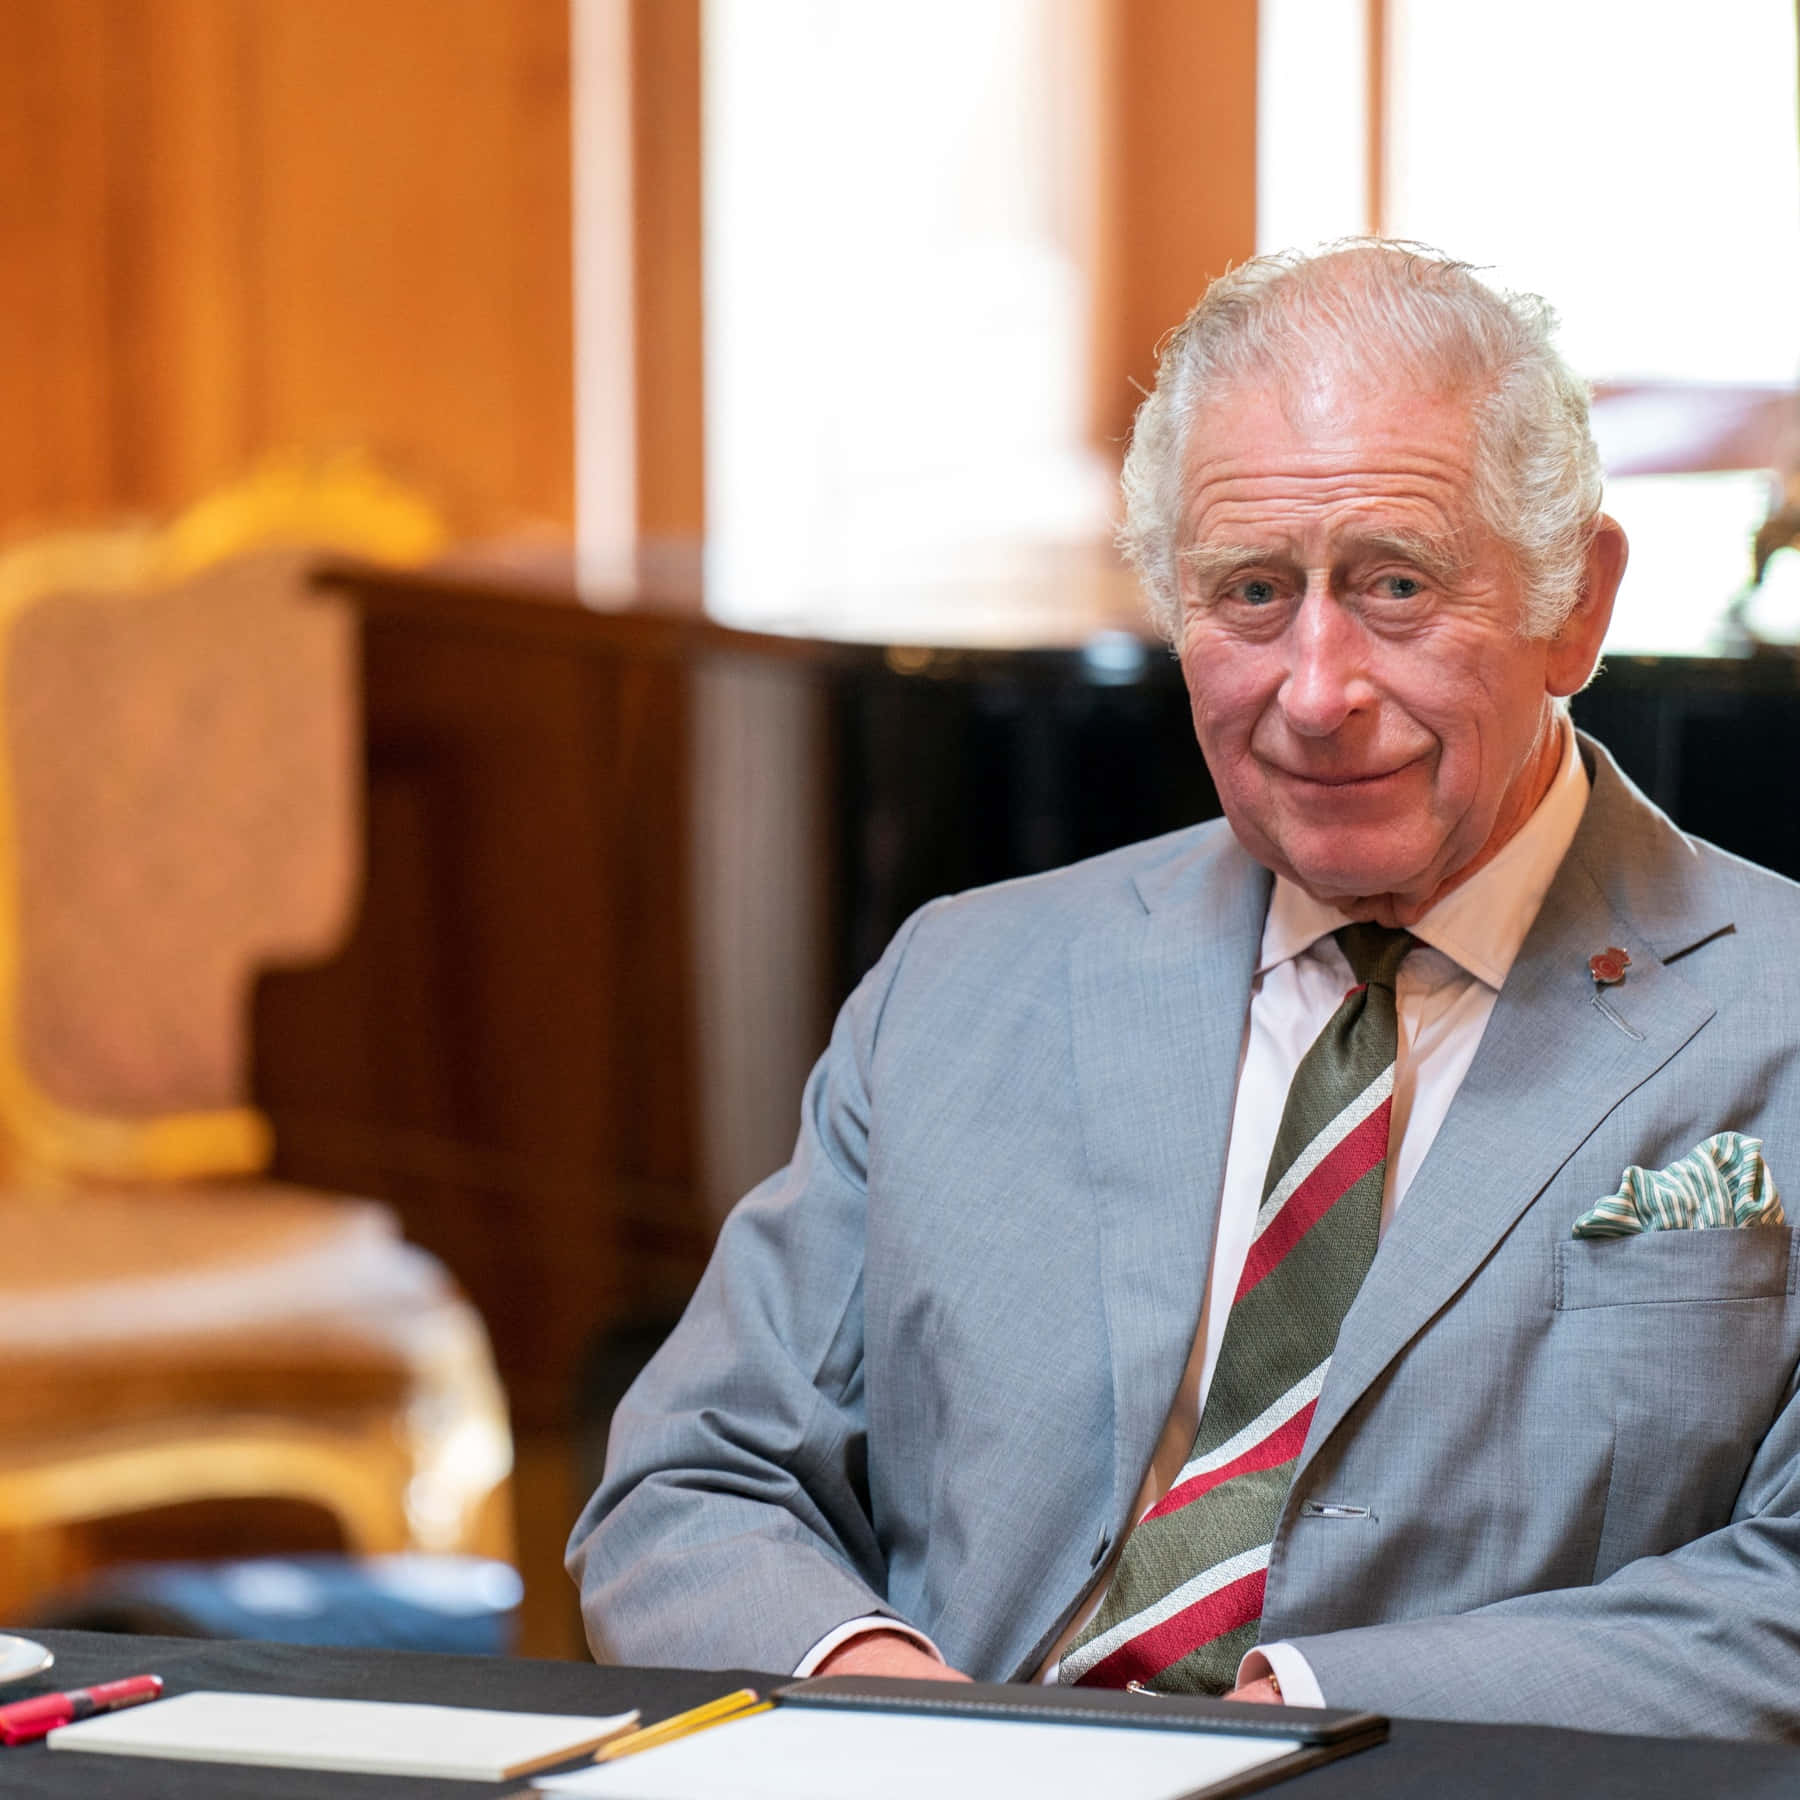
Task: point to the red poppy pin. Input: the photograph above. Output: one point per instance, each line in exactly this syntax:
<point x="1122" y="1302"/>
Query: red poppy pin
<point x="1608" y="966"/>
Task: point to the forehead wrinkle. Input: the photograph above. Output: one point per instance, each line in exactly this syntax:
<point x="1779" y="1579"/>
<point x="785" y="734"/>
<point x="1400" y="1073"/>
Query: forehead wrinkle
<point x="1396" y="473"/>
<point x="1387" y="463"/>
<point x="1252" y="478"/>
<point x="1252" y="485"/>
<point x="1400" y="513"/>
<point x="1233" y="509"/>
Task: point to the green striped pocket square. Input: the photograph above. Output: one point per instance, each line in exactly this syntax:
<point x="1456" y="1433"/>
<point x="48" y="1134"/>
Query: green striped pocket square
<point x="1721" y="1183"/>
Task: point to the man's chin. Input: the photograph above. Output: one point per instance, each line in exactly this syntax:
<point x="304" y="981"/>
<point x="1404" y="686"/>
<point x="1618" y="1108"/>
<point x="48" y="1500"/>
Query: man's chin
<point x="1376" y="871"/>
<point x="1389" y="893"/>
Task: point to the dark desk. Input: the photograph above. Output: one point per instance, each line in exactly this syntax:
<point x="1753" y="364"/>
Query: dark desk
<point x="514" y="1684"/>
<point x="1420" y="1762"/>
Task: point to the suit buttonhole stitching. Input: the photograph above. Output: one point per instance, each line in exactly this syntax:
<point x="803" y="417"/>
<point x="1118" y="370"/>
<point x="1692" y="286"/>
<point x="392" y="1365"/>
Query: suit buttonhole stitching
<point x="1637" y="1037"/>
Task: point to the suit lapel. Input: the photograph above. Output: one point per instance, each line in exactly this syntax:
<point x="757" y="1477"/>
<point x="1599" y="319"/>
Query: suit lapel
<point x="1551" y="1066"/>
<point x="1158" y="1021"/>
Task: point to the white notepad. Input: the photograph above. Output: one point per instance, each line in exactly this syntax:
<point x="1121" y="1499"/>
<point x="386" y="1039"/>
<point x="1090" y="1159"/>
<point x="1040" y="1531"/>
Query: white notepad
<point x="819" y="1753"/>
<point x="376" y="1737"/>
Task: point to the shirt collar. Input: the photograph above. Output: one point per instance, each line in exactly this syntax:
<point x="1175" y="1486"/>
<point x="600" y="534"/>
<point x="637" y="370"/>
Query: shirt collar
<point x="1481" y="922"/>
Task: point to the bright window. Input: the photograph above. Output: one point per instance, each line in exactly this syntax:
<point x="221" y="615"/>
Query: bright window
<point x="897" y="311"/>
<point x="1637" y="162"/>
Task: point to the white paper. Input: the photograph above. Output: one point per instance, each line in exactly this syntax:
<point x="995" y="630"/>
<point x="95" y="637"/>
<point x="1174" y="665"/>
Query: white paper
<point x="359" y="1736"/>
<point x="811" y="1753"/>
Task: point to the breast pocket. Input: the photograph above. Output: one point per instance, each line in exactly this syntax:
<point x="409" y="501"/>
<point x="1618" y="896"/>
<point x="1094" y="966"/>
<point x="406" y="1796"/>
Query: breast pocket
<point x="1685" y="1336"/>
<point x="1671" y="1268"/>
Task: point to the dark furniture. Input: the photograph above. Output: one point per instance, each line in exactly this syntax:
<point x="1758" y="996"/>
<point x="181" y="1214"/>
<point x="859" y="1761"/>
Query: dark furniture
<point x="1420" y="1761"/>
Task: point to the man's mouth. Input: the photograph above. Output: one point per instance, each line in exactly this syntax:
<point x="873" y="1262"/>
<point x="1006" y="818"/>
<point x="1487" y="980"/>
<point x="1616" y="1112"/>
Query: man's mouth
<point x="1348" y="779"/>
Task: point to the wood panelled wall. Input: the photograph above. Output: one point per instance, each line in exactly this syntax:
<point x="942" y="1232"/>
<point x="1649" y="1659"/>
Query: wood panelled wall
<point x="666" y="209"/>
<point x="232" y="225"/>
<point x="1177" y="179"/>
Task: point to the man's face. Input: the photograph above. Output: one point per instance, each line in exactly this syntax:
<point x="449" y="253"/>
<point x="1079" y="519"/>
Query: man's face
<point x="1374" y="722"/>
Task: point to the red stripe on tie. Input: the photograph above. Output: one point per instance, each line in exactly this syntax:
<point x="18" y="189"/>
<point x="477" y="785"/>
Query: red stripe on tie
<point x="1282" y="1445"/>
<point x="1152" y="1651"/>
<point x="1344" y="1165"/>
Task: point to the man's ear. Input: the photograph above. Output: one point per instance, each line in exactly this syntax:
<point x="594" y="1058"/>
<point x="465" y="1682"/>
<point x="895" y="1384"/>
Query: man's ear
<point x="1576" y="646"/>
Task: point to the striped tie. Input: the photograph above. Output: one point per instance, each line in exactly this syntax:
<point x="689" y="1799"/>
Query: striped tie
<point x="1162" y="1623"/>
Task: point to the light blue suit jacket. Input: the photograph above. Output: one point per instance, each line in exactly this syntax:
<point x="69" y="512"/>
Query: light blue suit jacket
<point x="928" y="1364"/>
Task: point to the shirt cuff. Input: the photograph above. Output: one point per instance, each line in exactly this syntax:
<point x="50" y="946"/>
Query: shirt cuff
<point x="1299" y="1685"/>
<point x="853" y="1628"/>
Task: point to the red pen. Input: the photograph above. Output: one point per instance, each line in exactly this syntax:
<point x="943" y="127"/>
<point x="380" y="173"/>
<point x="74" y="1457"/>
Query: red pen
<point x="23" y="1721"/>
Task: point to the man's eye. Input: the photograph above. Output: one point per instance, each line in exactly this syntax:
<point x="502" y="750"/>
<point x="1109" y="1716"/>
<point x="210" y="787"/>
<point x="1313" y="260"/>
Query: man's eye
<point x="1257" y="593"/>
<point x="1401" y="587"/>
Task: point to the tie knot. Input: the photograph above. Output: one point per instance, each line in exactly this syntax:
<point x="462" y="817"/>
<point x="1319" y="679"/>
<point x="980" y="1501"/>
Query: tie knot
<point x="1375" y="952"/>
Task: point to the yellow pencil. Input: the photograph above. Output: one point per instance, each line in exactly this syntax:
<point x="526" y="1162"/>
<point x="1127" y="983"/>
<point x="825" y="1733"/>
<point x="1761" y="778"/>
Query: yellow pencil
<point x="738" y="1705"/>
<point x="717" y="1712"/>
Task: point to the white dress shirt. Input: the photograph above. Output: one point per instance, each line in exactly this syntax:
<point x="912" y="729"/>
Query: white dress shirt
<point x="1445" y="993"/>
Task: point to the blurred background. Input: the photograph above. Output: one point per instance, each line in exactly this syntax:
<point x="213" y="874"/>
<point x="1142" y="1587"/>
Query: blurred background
<point x="532" y="532"/>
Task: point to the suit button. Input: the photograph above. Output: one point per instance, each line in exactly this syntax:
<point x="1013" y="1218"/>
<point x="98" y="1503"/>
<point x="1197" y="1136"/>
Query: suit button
<point x="1100" y="1549"/>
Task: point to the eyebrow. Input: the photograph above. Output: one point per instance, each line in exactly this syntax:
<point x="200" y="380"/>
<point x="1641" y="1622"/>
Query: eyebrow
<point x="1437" y="557"/>
<point x="1213" y="563"/>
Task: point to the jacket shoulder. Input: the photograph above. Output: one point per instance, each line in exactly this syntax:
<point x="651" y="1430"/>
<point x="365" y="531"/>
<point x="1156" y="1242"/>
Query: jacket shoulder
<point x="998" y="946"/>
<point x="1122" y="883"/>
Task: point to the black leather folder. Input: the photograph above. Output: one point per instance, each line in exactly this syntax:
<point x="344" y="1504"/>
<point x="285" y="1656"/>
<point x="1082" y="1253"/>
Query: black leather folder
<point x="1324" y="1733"/>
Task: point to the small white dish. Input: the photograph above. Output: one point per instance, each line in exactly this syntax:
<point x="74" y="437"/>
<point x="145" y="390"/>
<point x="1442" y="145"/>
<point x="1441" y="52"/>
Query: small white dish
<point x="20" y="1657"/>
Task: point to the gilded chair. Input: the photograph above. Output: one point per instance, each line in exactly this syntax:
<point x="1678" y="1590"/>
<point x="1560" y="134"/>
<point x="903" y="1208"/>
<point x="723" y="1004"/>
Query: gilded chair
<point x="179" y="783"/>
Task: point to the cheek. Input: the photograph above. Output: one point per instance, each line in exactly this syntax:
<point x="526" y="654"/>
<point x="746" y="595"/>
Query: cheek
<point x="1487" y="724"/>
<point x="1225" y="695"/>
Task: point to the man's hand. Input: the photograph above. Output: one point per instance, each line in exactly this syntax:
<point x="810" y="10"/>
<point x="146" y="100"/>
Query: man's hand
<point x="887" y="1653"/>
<point x="1260" y="1692"/>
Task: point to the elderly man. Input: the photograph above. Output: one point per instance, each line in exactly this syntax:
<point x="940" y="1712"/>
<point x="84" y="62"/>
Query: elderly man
<point x="1222" y="1264"/>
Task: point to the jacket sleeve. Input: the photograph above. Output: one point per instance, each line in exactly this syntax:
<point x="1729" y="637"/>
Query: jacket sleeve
<point x="732" y="1527"/>
<point x="1703" y="1641"/>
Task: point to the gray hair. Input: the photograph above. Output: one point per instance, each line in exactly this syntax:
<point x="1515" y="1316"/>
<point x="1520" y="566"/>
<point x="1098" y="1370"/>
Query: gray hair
<point x="1367" y="305"/>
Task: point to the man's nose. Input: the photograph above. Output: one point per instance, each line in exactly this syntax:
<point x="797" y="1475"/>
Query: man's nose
<point x="1327" y="676"/>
